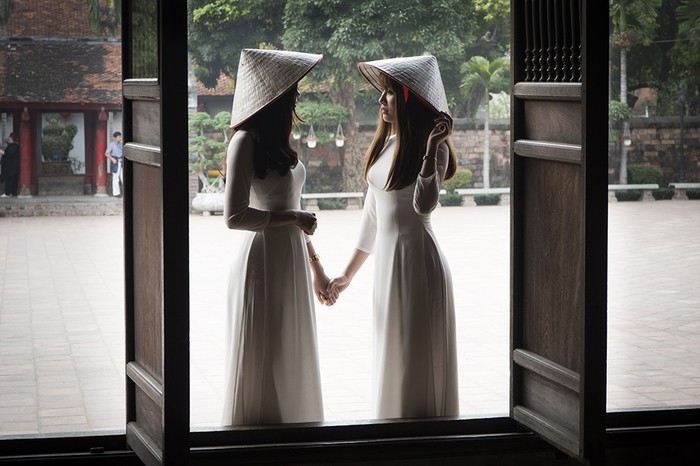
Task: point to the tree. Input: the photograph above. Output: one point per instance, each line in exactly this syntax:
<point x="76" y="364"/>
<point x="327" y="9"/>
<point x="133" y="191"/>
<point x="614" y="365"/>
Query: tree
<point x="219" y="29"/>
<point x="105" y="16"/>
<point x="363" y="30"/>
<point x="685" y="58"/>
<point x="348" y="31"/>
<point x="479" y="71"/>
<point x="208" y="147"/>
<point x="493" y="32"/>
<point x="634" y="21"/>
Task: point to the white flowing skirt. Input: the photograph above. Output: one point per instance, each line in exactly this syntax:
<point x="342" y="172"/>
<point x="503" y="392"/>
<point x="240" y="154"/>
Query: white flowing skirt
<point x="272" y="368"/>
<point x="415" y="357"/>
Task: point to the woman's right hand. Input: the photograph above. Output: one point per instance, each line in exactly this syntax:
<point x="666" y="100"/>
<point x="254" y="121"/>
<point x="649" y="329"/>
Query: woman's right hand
<point x="338" y="285"/>
<point x="306" y="221"/>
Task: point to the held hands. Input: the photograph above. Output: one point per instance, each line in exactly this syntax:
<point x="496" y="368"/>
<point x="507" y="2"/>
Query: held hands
<point x="323" y="294"/>
<point x="338" y="285"/>
<point x="306" y="221"/>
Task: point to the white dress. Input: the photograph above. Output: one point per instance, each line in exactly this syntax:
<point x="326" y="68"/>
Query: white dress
<point x="415" y="361"/>
<point x="272" y="369"/>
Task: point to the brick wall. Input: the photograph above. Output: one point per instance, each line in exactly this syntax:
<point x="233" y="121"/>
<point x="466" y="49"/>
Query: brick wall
<point x="656" y="142"/>
<point x="324" y="170"/>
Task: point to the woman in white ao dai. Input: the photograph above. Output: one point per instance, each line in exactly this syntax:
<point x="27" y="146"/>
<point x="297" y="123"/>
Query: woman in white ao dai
<point x="414" y="354"/>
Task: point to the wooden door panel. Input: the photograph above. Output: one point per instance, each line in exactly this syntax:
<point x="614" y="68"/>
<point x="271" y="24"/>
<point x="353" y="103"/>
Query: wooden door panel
<point x="147" y="122"/>
<point x="156" y="233"/>
<point x="553" y="121"/>
<point x="148" y="268"/>
<point x="552" y="258"/>
<point x="558" y="137"/>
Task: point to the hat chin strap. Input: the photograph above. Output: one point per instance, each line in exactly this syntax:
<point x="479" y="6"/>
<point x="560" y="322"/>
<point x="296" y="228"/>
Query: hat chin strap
<point x="405" y="93"/>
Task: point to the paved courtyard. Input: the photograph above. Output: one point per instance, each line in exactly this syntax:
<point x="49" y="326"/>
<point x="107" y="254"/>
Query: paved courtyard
<point x="61" y="315"/>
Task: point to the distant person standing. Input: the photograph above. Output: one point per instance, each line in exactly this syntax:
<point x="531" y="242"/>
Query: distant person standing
<point x="114" y="154"/>
<point x="9" y="167"/>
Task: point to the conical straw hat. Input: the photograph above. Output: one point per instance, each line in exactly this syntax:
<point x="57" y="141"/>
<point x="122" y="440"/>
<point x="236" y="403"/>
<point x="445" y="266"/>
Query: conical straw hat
<point x="420" y="74"/>
<point x="264" y="76"/>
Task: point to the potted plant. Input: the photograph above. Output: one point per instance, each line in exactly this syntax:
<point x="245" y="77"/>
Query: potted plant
<point x="207" y="149"/>
<point x="56" y="143"/>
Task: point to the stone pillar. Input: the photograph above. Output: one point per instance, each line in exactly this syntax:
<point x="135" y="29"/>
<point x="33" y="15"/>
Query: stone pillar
<point x="25" y="156"/>
<point x="100" y="148"/>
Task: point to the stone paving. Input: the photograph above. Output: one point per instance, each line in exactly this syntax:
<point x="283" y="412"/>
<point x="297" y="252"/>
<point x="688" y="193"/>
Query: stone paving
<point x="61" y="322"/>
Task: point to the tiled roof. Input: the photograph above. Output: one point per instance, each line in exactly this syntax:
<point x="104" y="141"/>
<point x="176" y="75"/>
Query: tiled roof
<point x="224" y="87"/>
<point x="51" y="18"/>
<point x="60" y="72"/>
<point x="50" y="54"/>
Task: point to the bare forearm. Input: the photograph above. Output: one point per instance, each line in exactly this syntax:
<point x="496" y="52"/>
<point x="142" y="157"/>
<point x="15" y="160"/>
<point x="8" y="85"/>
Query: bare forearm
<point x="314" y="260"/>
<point x="356" y="261"/>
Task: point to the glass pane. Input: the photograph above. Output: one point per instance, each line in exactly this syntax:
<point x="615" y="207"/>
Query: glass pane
<point x="653" y="296"/>
<point x="339" y="123"/>
<point x="144" y="48"/>
<point x="61" y="273"/>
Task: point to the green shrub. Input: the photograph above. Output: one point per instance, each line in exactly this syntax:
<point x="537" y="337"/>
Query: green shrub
<point x="57" y="137"/>
<point x="461" y="179"/>
<point x="662" y="194"/>
<point x="618" y="111"/>
<point x="693" y="194"/>
<point x="332" y="204"/>
<point x="629" y="195"/>
<point x="487" y="199"/>
<point x="643" y="174"/>
<point x="451" y="199"/>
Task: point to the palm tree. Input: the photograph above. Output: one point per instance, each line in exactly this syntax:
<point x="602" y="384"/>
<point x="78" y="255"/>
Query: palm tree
<point x="633" y="21"/>
<point x="479" y="71"/>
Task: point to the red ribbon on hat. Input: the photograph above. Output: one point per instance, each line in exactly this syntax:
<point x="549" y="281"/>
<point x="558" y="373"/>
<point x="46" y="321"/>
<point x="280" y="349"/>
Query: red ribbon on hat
<point x="405" y="93"/>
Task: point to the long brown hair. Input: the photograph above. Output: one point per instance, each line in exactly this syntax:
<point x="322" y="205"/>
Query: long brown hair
<point x="414" y="122"/>
<point x="270" y="129"/>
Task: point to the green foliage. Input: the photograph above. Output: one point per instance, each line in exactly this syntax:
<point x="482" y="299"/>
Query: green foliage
<point x="450" y="199"/>
<point x="6" y="7"/>
<point x="219" y="29"/>
<point x="662" y="194"/>
<point x="332" y="204"/>
<point x="347" y="32"/>
<point x="634" y="21"/>
<point x="618" y="112"/>
<point x="105" y="16"/>
<point x="487" y="199"/>
<point x="479" y="71"/>
<point x="208" y="141"/>
<point x="461" y="179"/>
<point x="321" y="113"/>
<point x="642" y="174"/>
<point x="628" y="195"/>
<point x="57" y="137"/>
<point x="693" y="194"/>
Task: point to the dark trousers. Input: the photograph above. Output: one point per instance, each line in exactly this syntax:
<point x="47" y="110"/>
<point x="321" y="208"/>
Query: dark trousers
<point x="11" y="185"/>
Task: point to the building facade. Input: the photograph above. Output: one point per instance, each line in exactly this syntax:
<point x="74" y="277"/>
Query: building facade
<point x="60" y="71"/>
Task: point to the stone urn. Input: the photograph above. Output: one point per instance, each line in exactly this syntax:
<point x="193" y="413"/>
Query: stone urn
<point x="208" y="203"/>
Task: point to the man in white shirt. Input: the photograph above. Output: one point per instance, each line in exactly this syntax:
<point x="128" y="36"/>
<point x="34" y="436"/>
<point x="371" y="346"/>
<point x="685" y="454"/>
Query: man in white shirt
<point x="114" y="154"/>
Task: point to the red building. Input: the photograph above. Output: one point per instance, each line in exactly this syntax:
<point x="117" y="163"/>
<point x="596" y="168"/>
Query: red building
<point x="54" y="61"/>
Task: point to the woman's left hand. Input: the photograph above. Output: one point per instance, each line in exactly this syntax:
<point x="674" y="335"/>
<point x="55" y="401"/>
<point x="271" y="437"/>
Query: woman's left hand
<point x="441" y="130"/>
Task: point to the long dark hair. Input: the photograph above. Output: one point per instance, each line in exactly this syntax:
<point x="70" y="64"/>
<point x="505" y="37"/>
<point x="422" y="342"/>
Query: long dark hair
<point x="270" y="129"/>
<point x="414" y="122"/>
